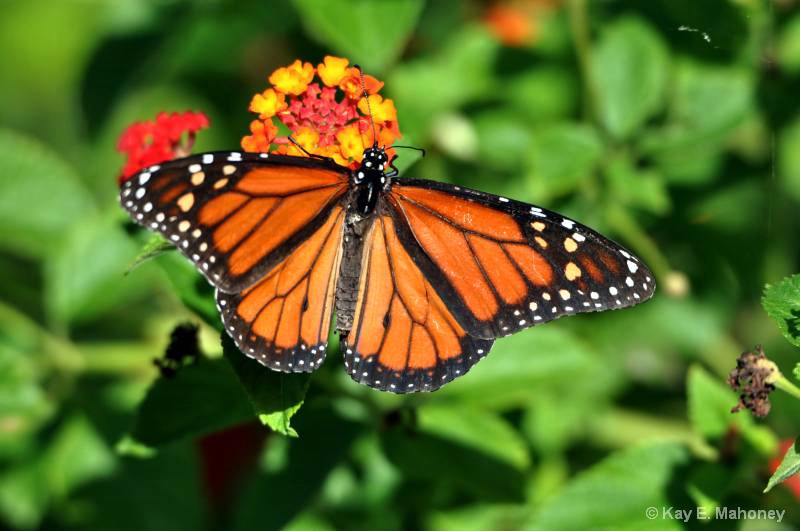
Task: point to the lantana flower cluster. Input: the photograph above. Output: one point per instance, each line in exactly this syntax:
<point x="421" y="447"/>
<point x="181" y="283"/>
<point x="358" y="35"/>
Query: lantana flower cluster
<point x="169" y="136"/>
<point x="324" y="110"/>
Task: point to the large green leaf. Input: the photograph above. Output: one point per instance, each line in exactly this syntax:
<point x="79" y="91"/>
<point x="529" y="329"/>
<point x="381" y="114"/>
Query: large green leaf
<point x="615" y="493"/>
<point x="781" y="301"/>
<point x="789" y="157"/>
<point x="475" y="428"/>
<point x="86" y="274"/>
<point x="41" y="196"/>
<point x="199" y="399"/>
<point x="275" y="396"/>
<point x="369" y="32"/>
<point x="630" y="69"/>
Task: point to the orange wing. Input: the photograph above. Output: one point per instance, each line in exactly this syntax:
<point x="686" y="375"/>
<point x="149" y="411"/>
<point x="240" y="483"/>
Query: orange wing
<point x="283" y="320"/>
<point x="404" y="338"/>
<point x="235" y="215"/>
<point x="502" y="265"/>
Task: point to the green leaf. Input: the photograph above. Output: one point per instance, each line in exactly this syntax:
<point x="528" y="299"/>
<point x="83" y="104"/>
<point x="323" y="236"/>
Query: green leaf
<point x="710" y="403"/>
<point x="86" y="274"/>
<point x="191" y="287"/>
<point x="790" y="465"/>
<point x="562" y="157"/>
<point x="637" y="187"/>
<point x="543" y="93"/>
<point x="460" y="72"/>
<point x="789" y="46"/>
<point x="615" y="493"/>
<point x="630" y="69"/>
<point x="199" y="399"/>
<point x="41" y="196"/>
<point x="781" y="301"/>
<point x="474" y="428"/>
<point x="522" y="365"/>
<point x="24" y="496"/>
<point x="155" y="246"/>
<point x="77" y="456"/>
<point x="275" y="396"/>
<point x="372" y="33"/>
<point x="709" y="104"/>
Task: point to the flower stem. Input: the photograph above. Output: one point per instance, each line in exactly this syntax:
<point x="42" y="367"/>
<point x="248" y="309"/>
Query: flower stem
<point x="783" y="383"/>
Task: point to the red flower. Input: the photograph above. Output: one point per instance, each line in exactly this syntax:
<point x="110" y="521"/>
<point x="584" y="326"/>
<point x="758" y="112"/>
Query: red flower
<point x="151" y="142"/>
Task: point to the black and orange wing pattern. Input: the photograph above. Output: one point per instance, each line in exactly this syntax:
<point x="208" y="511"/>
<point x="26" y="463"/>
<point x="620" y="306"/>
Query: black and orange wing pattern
<point x="502" y="265"/>
<point x="283" y="320"/>
<point x="266" y="231"/>
<point x="235" y="215"/>
<point x="404" y="337"/>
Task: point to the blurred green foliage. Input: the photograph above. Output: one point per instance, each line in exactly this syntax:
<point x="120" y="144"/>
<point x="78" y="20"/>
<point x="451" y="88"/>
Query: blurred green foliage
<point x="672" y="126"/>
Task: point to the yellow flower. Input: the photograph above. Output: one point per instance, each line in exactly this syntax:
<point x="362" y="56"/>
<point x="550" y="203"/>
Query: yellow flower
<point x="350" y="143"/>
<point x="382" y="109"/>
<point x="292" y="79"/>
<point x="268" y="104"/>
<point x="332" y="70"/>
<point x="307" y="137"/>
<point x="351" y="84"/>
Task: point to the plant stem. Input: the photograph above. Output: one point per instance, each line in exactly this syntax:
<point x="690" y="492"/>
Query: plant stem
<point x="579" y="24"/>
<point x="784" y="384"/>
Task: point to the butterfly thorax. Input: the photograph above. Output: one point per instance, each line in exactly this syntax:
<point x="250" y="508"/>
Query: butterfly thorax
<point x="370" y="179"/>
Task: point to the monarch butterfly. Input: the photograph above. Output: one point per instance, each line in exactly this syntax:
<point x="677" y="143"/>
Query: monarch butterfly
<point x="423" y="275"/>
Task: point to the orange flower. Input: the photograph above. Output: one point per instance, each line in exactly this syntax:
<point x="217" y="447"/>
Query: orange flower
<point x="268" y="103"/>
<point x="351" y="84"/>
<point x="332" y="70"/>
<point x="263" y="133"/>
<point x="511" y="24"/>
<point x="293" y="79"/>
<point x="329" y="118"/>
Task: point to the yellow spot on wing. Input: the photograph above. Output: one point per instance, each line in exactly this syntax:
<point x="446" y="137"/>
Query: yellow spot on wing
<point x="186" y="201"/>
<point x="538" y="225"/>
<point x="220" y="183"/>
<point x="541" y="241"/>
<point x="564" y="294"/>
<point x="570" y="245"/>
<point x="197" y="178"/>
<point x="572" y="271"/>
<point x="228" y="169"/>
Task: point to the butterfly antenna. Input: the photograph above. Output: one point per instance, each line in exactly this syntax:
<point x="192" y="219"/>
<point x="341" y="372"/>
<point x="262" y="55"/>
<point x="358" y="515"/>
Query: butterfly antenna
<point x="369" y="108"/>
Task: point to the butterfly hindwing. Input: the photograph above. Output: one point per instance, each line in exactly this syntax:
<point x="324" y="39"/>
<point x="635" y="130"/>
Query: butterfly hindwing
<point x="503" y="265"/>
<point x="404" y="337"/>
<point x="283" y="320"/>
<point x="235" y="215"/>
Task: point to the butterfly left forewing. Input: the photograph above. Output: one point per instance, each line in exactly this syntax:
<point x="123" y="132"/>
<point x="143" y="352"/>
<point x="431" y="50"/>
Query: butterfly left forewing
<point x="235" y="215"/>
<point x="503" y="266"/>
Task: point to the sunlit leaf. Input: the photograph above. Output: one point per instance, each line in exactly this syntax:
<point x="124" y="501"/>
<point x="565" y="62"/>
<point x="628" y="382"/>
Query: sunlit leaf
<point x="781" y="301"/>
<point x="790" y="465"/>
